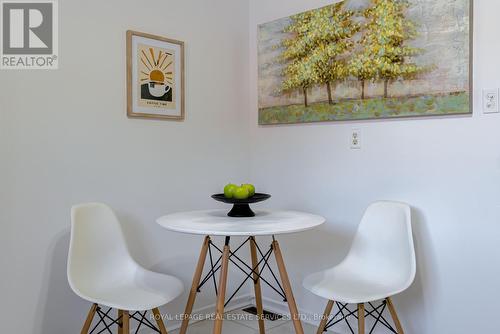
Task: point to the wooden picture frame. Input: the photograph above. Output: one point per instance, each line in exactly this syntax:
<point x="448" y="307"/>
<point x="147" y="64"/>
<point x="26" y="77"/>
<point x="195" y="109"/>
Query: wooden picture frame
<point x="155" y="77"/>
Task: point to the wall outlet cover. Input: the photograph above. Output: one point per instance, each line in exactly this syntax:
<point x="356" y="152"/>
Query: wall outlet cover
<point x="490" y="101"/>
<point x="355" y="139"/>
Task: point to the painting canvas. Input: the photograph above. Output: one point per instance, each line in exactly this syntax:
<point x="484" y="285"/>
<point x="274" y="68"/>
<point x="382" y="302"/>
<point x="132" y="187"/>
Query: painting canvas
<point x="155" y="77"/>
<point x="366" y="59"/>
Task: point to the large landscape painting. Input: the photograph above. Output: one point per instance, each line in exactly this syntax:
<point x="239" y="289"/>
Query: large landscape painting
<point x="366" y="59"/>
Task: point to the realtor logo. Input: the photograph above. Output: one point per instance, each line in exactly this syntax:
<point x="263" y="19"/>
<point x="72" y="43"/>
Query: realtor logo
<point x="29" y="35"/>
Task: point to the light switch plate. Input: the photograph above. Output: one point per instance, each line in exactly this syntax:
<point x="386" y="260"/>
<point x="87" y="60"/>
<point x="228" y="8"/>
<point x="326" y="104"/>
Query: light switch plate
<point x="490" y="101"/>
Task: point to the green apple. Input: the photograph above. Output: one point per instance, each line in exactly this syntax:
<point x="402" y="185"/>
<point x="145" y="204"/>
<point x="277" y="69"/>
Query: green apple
<point x="229" y="190"/>
<point x="241" y="193"/>
<point x="250" y="187"/>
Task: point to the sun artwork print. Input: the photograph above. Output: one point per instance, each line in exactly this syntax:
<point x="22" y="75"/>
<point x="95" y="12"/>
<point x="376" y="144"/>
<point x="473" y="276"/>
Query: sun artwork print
<point x="156" y="77"/>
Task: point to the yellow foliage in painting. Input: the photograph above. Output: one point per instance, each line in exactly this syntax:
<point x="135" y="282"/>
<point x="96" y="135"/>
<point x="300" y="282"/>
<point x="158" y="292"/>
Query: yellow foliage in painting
<point x="316" y="51"/>
<point x="322" y="49"/>
<point x="385" y="34"/>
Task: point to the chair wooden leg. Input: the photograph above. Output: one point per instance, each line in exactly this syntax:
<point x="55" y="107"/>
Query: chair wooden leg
<point x="219" y="314"/>
<point x="324" y="320"/>
<point x="361" y="318"/>
<point x="125" y="322"/>
<point x="394" y="316"/>
<point x="120" y="322"/>
<point x="90" y="318"/>
<point x="294" y="312"/>
<point x="159" y="320"/>
<point x="256" y="286"/>
<point x="194" y="287"/>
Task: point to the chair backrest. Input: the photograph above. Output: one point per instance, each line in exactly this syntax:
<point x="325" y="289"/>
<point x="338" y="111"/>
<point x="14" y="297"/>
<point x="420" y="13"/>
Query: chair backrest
<point x="383" y="245"/>
<point x="98" y="253"/>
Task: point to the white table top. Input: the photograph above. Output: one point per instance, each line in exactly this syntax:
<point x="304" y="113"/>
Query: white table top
<point x="216" y="222"/>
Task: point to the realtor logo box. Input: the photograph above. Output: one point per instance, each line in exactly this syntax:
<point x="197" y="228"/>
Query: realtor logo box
<point x="29" y="35"/>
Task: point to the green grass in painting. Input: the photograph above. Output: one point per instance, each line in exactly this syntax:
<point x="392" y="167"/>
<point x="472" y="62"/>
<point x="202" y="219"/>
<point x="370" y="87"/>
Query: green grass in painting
<point x="428" y="105"/>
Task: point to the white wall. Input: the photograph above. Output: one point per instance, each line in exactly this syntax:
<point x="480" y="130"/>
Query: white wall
<point x="66" y="139"/>
<point x="448" y="169"/>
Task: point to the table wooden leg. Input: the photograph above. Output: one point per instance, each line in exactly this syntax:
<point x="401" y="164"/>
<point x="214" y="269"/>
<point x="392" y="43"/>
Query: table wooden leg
<point x="90" y="318"/>
<point x="120" y="322"/>
<point x="219" y="314"/>
<point x="324" y="320"/>
<point x="256" y="286"/>
<point x="194" y="286"/>
<point x="361" y="318"/>
<point x="126" y="322"/>
<point x="288" y="289"/>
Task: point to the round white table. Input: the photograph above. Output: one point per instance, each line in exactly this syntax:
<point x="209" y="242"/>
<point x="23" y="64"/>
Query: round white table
<point x="217" y="223"/>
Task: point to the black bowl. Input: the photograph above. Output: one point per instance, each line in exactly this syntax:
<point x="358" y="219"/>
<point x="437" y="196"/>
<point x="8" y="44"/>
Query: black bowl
<point x="241" y="207"/>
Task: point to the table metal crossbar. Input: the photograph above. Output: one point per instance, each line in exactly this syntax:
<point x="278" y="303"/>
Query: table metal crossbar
<point x="244" y="267"/>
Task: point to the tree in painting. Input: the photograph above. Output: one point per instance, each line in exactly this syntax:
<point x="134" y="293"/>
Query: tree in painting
<point x="330" y="31"/>
<point x="384" y="44"/>
<point x="298" y="73"/>
<point x="362" y="67"/>
<point x="316" y="51"/>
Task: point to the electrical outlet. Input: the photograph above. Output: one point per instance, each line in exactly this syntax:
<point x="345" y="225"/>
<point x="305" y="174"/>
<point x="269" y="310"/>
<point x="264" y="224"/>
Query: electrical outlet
<point x="355" y="139"/>
<point x="490" y="101"/>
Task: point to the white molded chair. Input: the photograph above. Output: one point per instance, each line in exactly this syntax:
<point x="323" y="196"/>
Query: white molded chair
<point x="102" y="271"/>
<point x="381" y="263"/>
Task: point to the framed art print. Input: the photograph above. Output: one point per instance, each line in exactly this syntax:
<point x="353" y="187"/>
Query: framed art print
<point x="363" y="60"/>
<point x="155" y="77"/>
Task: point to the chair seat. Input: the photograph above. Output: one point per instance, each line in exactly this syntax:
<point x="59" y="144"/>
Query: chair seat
<point x="144" y="290"/>
<point x="342" y="285"/>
